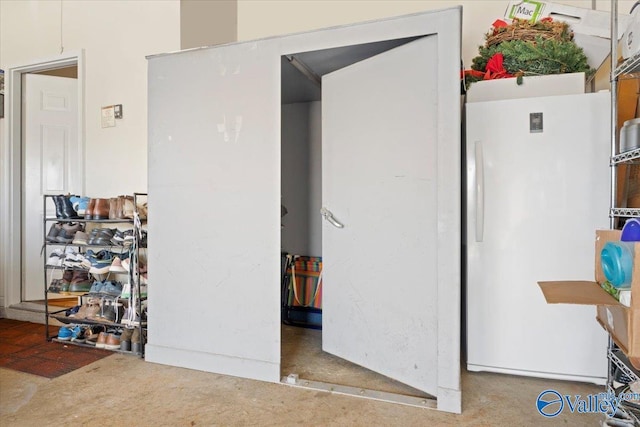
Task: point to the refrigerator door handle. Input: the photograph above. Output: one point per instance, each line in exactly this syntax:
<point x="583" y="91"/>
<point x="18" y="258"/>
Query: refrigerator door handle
<point x="479" y="192"/>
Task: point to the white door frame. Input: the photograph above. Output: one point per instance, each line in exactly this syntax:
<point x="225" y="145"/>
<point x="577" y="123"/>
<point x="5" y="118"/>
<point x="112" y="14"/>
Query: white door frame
<point x="11" y="167"/>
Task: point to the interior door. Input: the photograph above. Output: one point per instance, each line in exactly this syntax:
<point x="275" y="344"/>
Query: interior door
<point x="379" y="169"/>
<point x="51" y="163"/>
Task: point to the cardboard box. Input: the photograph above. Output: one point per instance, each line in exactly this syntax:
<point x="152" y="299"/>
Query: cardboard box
<point x="534" y="86"/>
<point x="623" y="323"/>
<point x="590" y="27"/>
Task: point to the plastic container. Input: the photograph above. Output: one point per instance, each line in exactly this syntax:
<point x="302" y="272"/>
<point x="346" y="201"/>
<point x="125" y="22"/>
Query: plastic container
<point x="631" y="231"/>
<point x="630" y="135"/>
<point x="616" y="259"/>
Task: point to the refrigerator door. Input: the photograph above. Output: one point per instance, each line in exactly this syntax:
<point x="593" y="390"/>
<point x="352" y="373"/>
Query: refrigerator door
<point x="537" y="189"/>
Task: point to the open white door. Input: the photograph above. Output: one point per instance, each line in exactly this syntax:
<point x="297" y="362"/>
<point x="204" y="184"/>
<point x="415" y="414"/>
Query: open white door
<point x="380" y="181"/>
<point x="52" y="163"/>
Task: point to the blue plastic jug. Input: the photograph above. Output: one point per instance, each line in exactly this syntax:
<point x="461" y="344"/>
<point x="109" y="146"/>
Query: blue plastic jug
<point x="616" y="259"/>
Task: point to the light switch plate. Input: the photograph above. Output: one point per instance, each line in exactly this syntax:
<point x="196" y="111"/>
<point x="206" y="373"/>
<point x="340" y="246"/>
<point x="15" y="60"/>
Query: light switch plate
<point x="108" y="117"/>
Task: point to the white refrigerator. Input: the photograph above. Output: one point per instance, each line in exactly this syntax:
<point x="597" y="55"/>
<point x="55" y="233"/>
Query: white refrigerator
<point x="537" y="189"/>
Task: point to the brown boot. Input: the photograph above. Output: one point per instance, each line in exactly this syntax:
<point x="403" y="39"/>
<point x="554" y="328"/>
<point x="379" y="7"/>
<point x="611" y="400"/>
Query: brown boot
<point x="113" y="208"/>
<point x="127" y="207"/>
<point x="88" y="213"/>
<point x="101" y="209"/>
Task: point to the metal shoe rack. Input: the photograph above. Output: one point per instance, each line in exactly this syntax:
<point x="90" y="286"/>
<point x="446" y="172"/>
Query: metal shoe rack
<point x="134" y="275"/>
<point x="619" y="365"/>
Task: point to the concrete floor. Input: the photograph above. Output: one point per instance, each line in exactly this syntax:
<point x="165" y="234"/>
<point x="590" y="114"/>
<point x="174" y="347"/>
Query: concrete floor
<point x="124" y="390"/>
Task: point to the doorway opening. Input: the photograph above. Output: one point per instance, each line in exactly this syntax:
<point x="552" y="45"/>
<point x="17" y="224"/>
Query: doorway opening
<point x="303" y="360"/>
<point x="22" y="206"/>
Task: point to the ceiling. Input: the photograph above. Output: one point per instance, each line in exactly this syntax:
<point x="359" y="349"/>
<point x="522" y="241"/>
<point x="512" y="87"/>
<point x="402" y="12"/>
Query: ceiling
<point x="296" y="87"/>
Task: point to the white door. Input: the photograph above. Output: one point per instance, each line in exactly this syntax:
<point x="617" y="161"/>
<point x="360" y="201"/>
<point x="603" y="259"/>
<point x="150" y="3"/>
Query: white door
<point x="379" y="169"/>
<point x="51" y="153"/>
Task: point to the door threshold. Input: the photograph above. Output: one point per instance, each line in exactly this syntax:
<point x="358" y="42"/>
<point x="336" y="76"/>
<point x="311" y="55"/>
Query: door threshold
<point x="383" y="396"/>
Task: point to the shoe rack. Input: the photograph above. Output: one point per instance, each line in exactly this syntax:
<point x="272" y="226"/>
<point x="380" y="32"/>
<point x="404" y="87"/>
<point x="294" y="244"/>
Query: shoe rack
<point x="104" y="269"/>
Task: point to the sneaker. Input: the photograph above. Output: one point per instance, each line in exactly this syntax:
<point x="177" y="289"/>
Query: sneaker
<point x="92" y="334"/>
<point x="113" y="289"/>
<point x="65" y="334"/>
<point x="73" y="311"/>
<point x="56" y="258"/>
<point x="55" y="286"/>
<point x="75" y="261"/>
<point x="96" y="287"/>
<point x="53" y="232"/>
<point x="101" y="262"/>
<point x="77" y="334"/>
<point x="101" y="236"/>
<point x="80" y="238"/>
<point x="68" y="231"/>
<point x="116" y="266"/>
<point x="126" y="291"/>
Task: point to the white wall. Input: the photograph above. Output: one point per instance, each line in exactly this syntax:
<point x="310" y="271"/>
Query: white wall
<point x="286" y="16"/>
<point x="116" y="36"/>
<point x="295" y="177"/>
<point x="301" y="185"/>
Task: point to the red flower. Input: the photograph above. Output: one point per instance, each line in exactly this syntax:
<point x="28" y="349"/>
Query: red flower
<point x="495" y="68"/>
<point x="499" y="23"/>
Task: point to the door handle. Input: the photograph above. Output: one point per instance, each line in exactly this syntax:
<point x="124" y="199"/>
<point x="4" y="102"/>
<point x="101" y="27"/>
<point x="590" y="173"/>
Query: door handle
<point x="328" y="216"/>
<point x="479" y="192"/>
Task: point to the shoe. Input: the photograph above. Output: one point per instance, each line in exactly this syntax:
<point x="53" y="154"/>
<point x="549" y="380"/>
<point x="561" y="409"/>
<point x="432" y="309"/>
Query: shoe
<point x="67" y="278"/>
<point x="142" y="210"/>
<point x="102" y="340"/>
<point x="75" y="261"/>
<point x="116" y="266"/>
<point x="96" y="287"/>
<point x="55" y="286"/>
<point x="100" y="262"/>
<point x="53" y="232"/>
<point x="112" y="342"/>
<point x="88" y="213"/>
<point x="80" y="238"/>
<point x="128" y="207"/>
<point x="64" y="287"/>
<point x="77" y="334"/>
<point x="101" y="209"/>
<point x="80" y="283"/>
<point x="123" y="238"/>
<point x="68" y="231"/>
<point x="80" y="204"/>
<point x="113" y="289"/>
<point x="101" y="236"/>
<point x="56" y="258"/>
<point x="92" y="333"/>
<point x="64" y="334"/>
<point x="126" y="291"/>
<point x="115" y="208"/>
<point x="137" y="341"/>
<point x="64" y="209"/>
<point x="73" y="311"/>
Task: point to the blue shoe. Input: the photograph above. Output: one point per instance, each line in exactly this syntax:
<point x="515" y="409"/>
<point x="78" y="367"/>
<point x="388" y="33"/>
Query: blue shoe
<point x="80" y="204"/>
<point x="113" y="289"/>
<point x="101" y="262"/>
<point x="77" y="334"/>
<point x="96" y="287"/>
<point x="65" y="334"/>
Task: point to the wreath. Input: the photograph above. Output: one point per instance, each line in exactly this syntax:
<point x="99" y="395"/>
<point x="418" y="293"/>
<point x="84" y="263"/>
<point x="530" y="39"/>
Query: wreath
<point x="523" y="48"/>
